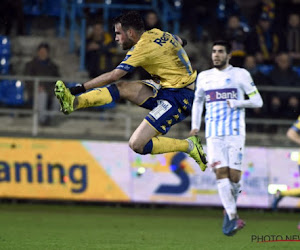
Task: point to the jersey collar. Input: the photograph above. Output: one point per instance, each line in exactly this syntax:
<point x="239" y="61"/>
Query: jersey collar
<point x="229" y="67"/>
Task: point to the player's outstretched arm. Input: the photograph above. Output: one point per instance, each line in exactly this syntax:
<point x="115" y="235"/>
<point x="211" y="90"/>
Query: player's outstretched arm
<point x="105" y="79"/>
<point x="99" y="81"/>
<point x="293" y="135"/>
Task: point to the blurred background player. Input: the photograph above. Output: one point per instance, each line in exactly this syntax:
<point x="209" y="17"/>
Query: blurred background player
<point x="222" y="89"/>
<point x="293" y="134"/>
<point x="169" y="95"/>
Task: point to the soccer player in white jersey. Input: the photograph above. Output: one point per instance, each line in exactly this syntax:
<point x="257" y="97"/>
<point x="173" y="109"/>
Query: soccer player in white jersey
<point x="222" y="89"/>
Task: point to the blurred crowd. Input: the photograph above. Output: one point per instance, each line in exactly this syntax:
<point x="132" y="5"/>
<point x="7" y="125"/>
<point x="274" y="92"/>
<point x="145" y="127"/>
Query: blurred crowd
<point x="265" y="39"/>
<point x="264" y="34"/>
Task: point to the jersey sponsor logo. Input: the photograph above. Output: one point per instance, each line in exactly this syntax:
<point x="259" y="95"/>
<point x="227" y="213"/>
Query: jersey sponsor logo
<point x="162" y="107"/>
<point x="216" y="95"/>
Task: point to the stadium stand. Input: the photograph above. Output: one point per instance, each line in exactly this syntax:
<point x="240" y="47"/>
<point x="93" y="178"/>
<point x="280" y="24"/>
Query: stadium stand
<point x="12" y="92"/>
<point x="5" y="54"/>
<point x="18" y="50"/>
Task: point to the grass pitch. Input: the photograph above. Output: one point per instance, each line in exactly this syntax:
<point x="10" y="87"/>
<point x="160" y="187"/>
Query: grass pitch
<point x="38" y="226"/>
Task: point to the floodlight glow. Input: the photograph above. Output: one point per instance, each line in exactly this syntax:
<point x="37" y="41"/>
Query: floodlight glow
<point x="177" y="3"/>
<point x="294" y="156"/>
<point x="272" y="188"/>
<point x="18" y="84"/>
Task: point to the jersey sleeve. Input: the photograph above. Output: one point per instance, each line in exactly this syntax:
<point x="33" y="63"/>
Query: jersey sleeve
<point x="137" y="56"/>
<point x="247" y="83"/>
<point x="199" y="99"/>
<point x="296" y="125"/>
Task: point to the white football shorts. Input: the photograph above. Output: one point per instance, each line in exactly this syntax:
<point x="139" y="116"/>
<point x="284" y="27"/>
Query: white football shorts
<point x="225" y="151"/>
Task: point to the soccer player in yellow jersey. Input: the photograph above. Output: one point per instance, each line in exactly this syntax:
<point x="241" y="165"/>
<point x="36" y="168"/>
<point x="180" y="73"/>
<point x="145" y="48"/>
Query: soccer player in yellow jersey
<point x="169" y="95"/>
<point x="293" y="134"/>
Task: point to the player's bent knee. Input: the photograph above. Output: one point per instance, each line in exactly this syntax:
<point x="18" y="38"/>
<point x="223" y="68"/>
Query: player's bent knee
<point x="234" y="175"/>
<point x="123" y="89"/>
<point x="136" y="147"/>
<point x="222" y="173"/>
<point x="121" y="85"/>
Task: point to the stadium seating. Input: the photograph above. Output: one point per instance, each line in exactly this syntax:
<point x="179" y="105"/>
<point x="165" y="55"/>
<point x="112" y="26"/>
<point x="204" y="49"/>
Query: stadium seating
<point x="265" y="68"/>
<point x="38" y="8"/>
<point x="11" y="92"/>
<point x="297" y="69"/>
<point x="5" y="54"/>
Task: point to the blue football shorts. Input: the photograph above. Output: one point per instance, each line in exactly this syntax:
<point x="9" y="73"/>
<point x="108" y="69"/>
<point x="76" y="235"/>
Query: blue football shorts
<point x="168" y="107"/>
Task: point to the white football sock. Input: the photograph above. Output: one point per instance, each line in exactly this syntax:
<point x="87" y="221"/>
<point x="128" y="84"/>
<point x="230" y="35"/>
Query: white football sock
<point x="236" y="189"/>
<point x="227" y="198"/>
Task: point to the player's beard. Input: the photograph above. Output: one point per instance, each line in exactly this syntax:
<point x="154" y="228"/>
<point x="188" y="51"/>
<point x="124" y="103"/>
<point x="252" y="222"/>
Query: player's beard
<point x="127" y="44"/>
<point x="221" y="64"/>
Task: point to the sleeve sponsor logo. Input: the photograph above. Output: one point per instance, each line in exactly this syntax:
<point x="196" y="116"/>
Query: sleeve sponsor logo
<point x="125" y="67"/>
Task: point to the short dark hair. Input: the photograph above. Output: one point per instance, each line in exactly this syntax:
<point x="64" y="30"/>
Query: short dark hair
<point x="224" y="43"/>
<point x="44" y="45"/>
<point x="131" y="19"/>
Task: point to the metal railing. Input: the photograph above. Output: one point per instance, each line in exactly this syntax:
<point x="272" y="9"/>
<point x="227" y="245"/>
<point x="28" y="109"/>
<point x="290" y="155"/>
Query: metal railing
<point x="75" y="12"/>
<point x="36" y="81"/>
<point x="126" y="118"/>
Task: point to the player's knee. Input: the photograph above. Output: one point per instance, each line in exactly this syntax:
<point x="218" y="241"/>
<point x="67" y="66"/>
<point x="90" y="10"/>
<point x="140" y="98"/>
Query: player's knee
<point x="222" y="173"/>
<point x="121" y="85"/>
<point x="234" y="175"/>
<point x="136" y="146"/>
<point x="123" y="88"/>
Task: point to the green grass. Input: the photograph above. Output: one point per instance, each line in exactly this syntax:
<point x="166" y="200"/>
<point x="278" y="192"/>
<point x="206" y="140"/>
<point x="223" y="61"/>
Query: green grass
<point x="36" y="226"/>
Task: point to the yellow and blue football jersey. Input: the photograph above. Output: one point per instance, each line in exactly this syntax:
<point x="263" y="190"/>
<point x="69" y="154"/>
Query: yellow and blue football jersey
<point x="162" y="56"/>
<point x="296" y="125"/>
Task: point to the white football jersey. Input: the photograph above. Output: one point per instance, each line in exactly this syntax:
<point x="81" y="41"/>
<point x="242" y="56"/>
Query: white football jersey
<point x="214" y="87"/>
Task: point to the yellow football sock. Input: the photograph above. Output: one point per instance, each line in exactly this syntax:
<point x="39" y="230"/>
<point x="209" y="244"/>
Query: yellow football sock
<point x="97" y="97"/>
<point x="166" y="145"/>
<point x="291" y="192"/>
